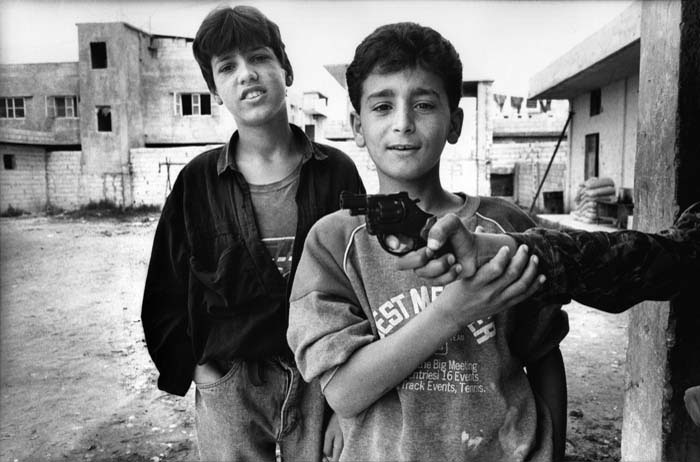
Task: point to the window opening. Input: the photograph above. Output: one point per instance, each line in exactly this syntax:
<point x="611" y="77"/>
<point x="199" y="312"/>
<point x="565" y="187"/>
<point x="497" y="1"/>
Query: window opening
<point x="104" y="119"/>
<point x="189" y="104"/>
<point x="62" y="106"/>
<point x="98" y="55"/>
<point x="592" y="146"/>
<point x="12" y="108"/>
<point x="9" y="162"/>
<point x="596" y="107"/>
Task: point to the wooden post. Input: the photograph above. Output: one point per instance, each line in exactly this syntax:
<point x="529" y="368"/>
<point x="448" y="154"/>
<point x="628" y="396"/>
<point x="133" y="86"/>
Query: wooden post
<point x="663" y="354"/>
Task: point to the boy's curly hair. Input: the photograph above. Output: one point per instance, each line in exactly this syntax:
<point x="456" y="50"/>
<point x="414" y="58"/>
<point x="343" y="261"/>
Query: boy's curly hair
<point x="242" y="27"/>
<point x="405" y="45"/>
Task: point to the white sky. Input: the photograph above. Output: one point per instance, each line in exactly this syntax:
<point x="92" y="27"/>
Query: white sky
<point x="506" y="41"/>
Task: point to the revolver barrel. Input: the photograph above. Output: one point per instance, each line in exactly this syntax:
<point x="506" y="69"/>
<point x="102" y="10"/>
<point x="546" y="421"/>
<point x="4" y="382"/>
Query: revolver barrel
<point x="356" y="203"/>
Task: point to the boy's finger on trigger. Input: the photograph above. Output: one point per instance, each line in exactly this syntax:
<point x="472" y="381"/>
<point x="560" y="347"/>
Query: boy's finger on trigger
<point x="479" y="229"/>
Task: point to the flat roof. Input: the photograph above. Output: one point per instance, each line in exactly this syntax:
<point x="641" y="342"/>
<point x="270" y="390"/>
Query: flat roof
<point x="609" y="54"/>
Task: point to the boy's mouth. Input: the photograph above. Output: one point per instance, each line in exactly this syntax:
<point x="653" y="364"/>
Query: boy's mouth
<point x="252" y="93"/>
<point x="403" y="147"/>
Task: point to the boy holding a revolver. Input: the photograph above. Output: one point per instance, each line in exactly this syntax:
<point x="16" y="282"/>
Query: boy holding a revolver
<point x="420" y="371"/>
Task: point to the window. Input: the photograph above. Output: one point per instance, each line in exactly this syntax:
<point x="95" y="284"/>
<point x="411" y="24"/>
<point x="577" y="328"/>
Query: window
<point x="104" y="119"/>
<point x="11" y="108"/>
<point x="591" y="166"/>
<point x="501" y="184"/>
<point x="596" y="107"/>
<point x="531" y="104"/>
<point x="9" y="161"/>
<point x="62" y="106"/>
<point x="310" y="131"/>
<point x="189" y="104"/>
<point x="98" y="55"/>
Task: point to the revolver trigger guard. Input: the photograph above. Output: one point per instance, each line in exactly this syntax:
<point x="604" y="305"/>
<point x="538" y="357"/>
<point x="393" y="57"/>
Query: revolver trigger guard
<point x="382" y="241"/>
<point x="418" y="242"/>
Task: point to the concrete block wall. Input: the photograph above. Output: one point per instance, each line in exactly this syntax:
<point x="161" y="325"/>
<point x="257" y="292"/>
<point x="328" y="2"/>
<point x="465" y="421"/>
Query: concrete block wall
<point x="507" y="153"/>
<point x="63" y="179"/>
<point x="23" y="187"/>
<point x="529" y="174"/>
<point x="96" y="187"/>
<point x="151" y="178"/>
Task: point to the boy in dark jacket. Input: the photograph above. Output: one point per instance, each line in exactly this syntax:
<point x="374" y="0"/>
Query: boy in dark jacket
<point x="215" y="306"/>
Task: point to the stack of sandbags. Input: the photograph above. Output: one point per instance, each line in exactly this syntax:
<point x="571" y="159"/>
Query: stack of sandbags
<point x="592" y="190"/>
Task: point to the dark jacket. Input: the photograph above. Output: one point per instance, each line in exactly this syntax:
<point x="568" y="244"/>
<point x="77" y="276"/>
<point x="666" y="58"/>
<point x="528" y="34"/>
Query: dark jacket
<point x="212" y="290"/>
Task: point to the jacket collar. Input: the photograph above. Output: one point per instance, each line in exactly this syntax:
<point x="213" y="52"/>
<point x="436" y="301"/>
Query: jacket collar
<point x="227" y="158"/>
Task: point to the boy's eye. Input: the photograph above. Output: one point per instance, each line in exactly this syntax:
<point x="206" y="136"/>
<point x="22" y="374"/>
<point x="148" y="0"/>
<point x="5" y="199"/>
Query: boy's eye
<point x="259" y="58"/>
<point x="226" y="68"/>
<point x="425" y="106"/>
<point x="381" y="107"/>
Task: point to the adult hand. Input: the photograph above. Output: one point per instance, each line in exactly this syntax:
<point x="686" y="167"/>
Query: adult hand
<point x="448" y="232"/>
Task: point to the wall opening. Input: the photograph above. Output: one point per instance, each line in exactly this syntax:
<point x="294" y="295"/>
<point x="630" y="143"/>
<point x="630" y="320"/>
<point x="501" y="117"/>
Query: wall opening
<point x="310" y="131"/>
<point x="596" y="105"/>
<point x="591" y="166"/>
<point x="98" y="55"/>
<point x="104" y="119"/>
<point x="189" y="104"/>
<point x="11" y="108"/>
<point x="502" y="184"/>
<point x="9" y="161"/>
<point x="62" y="106"/>
<point x="553" y="202"/>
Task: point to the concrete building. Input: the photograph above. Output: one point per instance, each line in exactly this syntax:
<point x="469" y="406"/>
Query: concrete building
<point x="600" y="78"/>
<point x="115" y="126"/>
<point x="525" y="136"/>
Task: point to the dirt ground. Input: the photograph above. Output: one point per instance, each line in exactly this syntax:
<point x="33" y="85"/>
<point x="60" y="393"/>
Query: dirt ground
<point x="76" y="382"/>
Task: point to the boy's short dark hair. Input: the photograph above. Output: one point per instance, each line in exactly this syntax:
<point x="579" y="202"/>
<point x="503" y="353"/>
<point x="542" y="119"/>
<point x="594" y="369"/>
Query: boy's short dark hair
<point x="405" y="45"/>
<point x="242" y="27"/>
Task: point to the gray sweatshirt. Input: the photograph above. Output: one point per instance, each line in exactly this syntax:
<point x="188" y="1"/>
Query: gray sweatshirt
<point x="471" y="401"/>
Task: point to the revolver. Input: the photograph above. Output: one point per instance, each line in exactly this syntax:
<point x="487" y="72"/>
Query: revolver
<point x="387" y="214"/>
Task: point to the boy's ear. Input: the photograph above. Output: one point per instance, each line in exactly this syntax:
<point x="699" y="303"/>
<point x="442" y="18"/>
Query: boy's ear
<point x="456" y="120"/>
<point x="288" y="79"/>
<point x="216" y="96"/>
<point x="357" y="129"/>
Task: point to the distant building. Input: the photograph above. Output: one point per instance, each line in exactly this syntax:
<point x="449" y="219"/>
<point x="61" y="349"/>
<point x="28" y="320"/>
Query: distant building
<point x="525" y="135"/>
<point x="600" y="78"/>
<point x="115" y="126"/>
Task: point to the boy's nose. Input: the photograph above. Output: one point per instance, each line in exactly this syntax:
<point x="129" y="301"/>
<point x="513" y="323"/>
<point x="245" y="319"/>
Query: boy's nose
<point x="403" y="121"/>
<point x="247" y="73"/>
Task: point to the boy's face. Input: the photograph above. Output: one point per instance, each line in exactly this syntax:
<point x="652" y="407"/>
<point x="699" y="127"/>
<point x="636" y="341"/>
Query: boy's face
<point x="404" y="122"/>
<point x="251" y="85"/>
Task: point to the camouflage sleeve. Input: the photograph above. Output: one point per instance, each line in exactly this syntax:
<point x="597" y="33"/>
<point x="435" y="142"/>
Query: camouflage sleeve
<point x="614" y="271"/>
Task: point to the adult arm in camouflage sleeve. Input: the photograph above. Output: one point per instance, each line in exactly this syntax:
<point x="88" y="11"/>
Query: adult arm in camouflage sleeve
<point x="608" y="271"/>
<point x="614" y="271"/>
